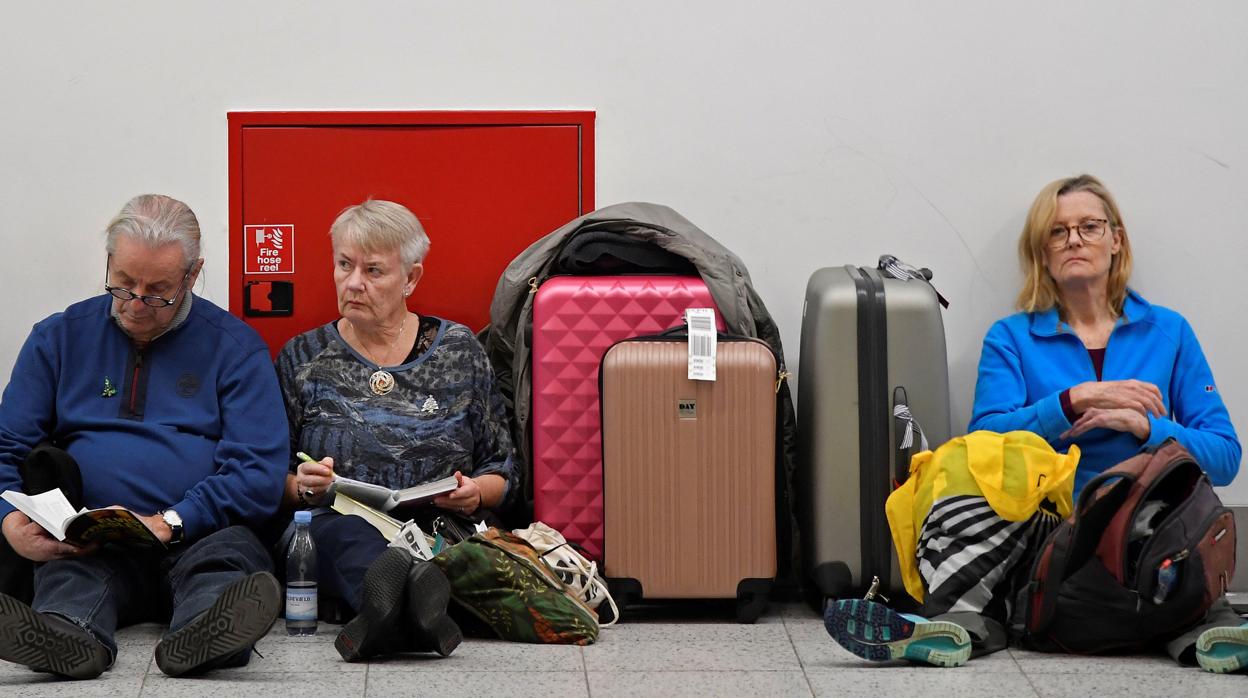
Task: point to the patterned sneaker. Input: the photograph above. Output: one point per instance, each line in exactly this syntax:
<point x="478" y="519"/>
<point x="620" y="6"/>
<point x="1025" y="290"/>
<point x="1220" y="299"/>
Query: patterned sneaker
<point x="1223" y="650"/>
<point x="45" y="642"/>
<point x="876" y="632"/>
<point x="240" y="616"/>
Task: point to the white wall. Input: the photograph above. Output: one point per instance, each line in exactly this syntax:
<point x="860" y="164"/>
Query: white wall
<point x="801" y="134"/>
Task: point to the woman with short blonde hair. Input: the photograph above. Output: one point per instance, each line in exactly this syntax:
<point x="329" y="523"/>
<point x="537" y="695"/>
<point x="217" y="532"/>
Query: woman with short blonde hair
<point x="393" y="398"/>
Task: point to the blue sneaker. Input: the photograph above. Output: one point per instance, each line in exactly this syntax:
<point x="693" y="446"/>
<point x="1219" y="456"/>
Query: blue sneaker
<point x="1223" y="650"/>
<point x="876" y="632"/>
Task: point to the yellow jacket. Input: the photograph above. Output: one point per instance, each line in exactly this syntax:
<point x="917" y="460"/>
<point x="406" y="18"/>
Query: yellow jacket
<point x="1014" y="471"/>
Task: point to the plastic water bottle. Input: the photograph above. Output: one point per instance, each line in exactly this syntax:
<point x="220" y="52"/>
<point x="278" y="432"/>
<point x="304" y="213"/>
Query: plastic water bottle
<point x="1166" y="576"/>
<point x="301" y="579"/>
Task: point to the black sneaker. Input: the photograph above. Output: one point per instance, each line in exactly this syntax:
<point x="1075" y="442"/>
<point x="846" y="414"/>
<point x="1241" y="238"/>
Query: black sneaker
<point x="240" y="616"/>
<point x="428" y="592"/>
<point x="45" y="642"/>
<point x="372" y="630"/>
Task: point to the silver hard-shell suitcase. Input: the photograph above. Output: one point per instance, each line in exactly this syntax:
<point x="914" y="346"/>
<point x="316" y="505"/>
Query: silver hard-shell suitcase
<point x="873" y="372"/>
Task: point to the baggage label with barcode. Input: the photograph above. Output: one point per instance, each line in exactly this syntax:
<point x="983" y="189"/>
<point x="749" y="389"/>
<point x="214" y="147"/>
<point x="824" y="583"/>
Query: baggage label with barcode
<point x="701" y="323"/>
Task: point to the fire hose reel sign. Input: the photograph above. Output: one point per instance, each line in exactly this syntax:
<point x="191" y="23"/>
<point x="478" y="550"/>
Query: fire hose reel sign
<point x="270" y="249"/>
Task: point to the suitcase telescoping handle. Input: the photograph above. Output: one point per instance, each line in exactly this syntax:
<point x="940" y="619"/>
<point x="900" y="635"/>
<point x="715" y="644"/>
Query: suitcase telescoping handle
<point x="681" y="331"/>
<point x="905" y="425"/>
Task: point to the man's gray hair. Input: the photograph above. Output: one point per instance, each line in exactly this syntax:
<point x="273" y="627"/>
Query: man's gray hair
<point x="155" y="220"/>
<point x="377" y="225"/>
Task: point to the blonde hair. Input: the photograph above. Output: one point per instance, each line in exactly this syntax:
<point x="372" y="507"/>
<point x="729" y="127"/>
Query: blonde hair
<point x="377" y="225"/>
<point x="1039" y="292"/>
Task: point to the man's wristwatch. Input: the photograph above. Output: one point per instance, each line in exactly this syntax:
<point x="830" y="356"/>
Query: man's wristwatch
<point x="175" y="524"/>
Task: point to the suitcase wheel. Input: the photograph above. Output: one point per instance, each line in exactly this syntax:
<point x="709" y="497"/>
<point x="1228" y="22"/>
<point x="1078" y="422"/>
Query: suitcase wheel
<point x="814" y="598"/>
<point x="752" y="597"/>
<point x="626" y="591"/>
<point x="831" y="580"/>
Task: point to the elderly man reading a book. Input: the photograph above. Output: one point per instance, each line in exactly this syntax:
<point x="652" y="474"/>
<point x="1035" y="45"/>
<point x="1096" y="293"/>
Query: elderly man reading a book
<point x="163" y="414"/>
<point x="391" y="398"/>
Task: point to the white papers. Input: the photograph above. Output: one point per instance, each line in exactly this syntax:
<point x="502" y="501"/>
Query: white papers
<point x="414" y="541"/>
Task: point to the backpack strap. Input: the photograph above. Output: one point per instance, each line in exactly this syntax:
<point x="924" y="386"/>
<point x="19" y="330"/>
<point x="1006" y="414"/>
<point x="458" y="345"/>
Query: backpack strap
<point x="1072" y="544"/>
<point x="1095" y="510"/>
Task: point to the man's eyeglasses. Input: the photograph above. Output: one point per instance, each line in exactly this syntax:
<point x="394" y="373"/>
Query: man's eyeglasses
<point x="126" y="294"/>
<point x="1090" y="230"/>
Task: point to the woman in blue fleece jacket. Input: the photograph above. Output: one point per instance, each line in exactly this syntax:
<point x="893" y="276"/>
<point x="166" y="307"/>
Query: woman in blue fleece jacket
<point x="1087" y="362"/>
<point x="1050" y="369"/>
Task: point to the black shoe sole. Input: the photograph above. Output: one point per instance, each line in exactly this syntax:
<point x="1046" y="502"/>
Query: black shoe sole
<point x="428" y="593"/>
<point x="240" y="616"/>
<point x="48" y="644"/>
<point x="372" y="627"/>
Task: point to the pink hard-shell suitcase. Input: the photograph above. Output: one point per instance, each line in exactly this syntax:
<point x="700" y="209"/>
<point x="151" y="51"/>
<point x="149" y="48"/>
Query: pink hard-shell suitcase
<point x="575" y="320"/>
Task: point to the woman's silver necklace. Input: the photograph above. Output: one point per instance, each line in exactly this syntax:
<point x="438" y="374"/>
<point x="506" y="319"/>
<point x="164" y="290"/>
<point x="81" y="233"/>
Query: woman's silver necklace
<point x="381" y="382"/>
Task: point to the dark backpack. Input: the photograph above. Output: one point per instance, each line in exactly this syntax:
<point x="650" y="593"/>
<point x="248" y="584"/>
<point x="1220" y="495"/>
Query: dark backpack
<point x="1101" y="581"/>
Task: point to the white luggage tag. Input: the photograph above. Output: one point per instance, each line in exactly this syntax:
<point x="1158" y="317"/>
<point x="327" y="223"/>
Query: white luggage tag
<point x="702" y="343"/>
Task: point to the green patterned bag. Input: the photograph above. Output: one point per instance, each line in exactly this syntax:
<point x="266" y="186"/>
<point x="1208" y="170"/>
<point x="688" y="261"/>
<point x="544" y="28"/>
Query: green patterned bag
<point x="501" y="579"/>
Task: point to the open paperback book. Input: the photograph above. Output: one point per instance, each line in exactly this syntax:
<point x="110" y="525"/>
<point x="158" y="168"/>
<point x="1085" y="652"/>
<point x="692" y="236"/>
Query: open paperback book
<point x="385" y="499"/>
<point x="54" y="512"/>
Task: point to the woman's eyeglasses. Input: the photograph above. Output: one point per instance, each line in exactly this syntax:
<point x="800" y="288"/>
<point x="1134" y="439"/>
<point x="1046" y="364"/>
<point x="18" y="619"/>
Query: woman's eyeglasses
<point x="1090" y="230"/>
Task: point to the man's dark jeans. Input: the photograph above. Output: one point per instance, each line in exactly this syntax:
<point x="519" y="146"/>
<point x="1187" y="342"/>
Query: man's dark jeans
<point x="45" y="468"/>
<point x="119" y="586"/>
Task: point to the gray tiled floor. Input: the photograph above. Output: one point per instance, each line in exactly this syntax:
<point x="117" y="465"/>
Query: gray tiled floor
<point x="787" y="653"/>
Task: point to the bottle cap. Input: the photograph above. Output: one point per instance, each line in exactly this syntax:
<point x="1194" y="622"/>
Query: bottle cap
<point x="303" y="516"/>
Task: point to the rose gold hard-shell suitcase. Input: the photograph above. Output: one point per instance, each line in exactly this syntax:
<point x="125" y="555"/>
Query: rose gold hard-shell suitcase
<point x="689" y="473"/>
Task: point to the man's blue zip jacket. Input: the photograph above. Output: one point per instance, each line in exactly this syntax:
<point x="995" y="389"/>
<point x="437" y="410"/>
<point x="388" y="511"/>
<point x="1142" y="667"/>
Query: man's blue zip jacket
<point x="1028" y="359"/>
<point x="193" y="422"/>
